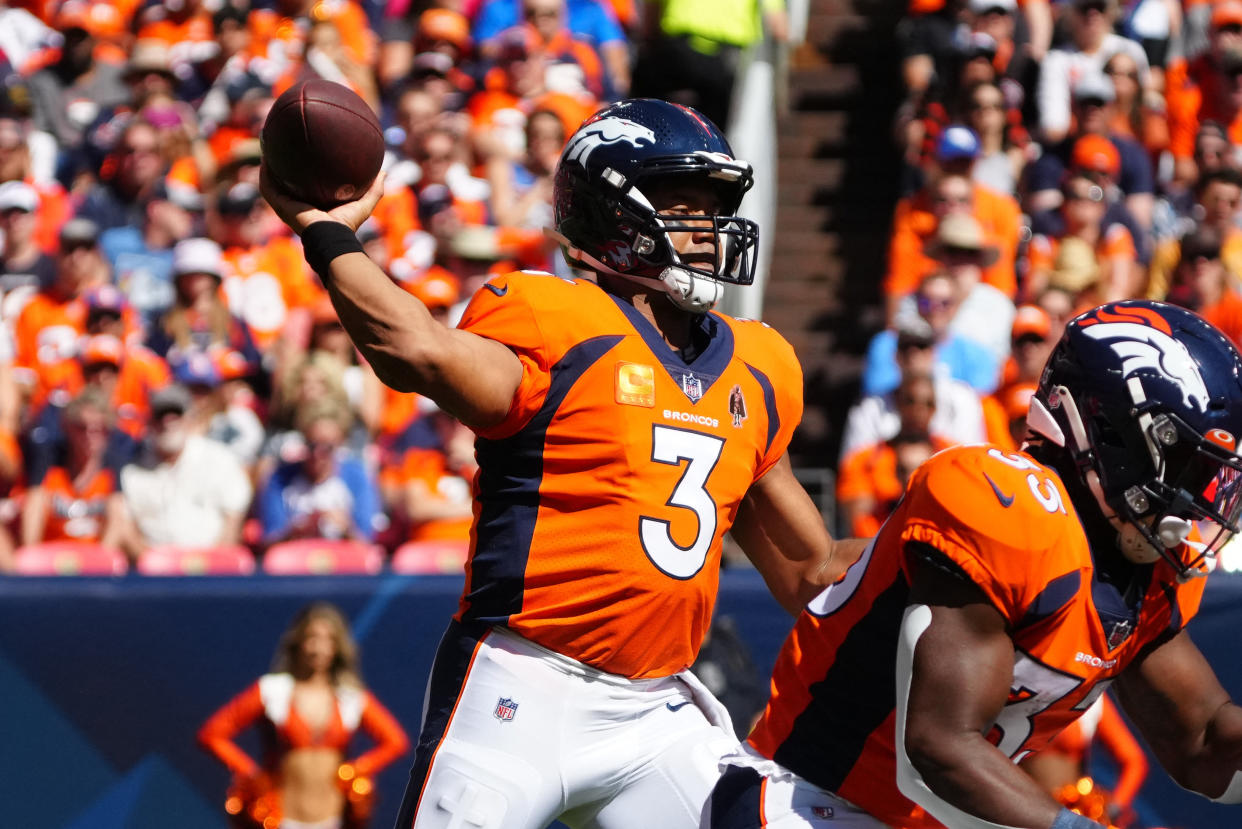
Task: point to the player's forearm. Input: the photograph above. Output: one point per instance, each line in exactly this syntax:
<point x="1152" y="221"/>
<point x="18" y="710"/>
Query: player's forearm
<point x="965" y="777"/>
<point x="389" y="326"/>
<point x="1215" y="769"/>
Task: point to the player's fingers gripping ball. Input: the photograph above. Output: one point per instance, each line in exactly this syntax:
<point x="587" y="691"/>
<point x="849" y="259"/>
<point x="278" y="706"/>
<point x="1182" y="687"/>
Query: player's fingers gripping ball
<point x="322" y="144"/>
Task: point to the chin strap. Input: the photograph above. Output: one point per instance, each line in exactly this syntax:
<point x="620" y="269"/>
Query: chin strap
<point x="687" y="291"/>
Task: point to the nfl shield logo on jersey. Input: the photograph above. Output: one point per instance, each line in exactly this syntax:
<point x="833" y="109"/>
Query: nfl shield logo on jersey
<point x="692" y="386"/>
<point x="822" y="812"/>
<point x="1119" y="633"/>
<point x="505" y="709"/>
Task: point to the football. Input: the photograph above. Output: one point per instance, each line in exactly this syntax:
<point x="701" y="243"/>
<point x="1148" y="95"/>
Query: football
<point x="322" y="143"/>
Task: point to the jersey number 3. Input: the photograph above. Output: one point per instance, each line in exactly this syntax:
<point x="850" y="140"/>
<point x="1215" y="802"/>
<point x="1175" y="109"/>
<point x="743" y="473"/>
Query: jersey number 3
<point x="700" y="453"/>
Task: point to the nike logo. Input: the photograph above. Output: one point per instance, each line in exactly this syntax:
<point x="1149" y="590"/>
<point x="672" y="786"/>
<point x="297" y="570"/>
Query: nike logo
<point x="676" y="707"/>
<point x="495" y="289"/>
<point x="1006" y="500"/>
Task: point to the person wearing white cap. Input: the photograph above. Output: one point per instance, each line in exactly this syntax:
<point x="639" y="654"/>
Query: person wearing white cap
<point x="1091" y="44"/>
<point x="24" y="267"/>
<point x="199" y="317"/>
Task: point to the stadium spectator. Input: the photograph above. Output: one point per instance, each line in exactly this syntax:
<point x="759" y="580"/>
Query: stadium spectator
<point x="1090" y="45"/>
<point x="327" y="493"/>
<point x="429" y="486"/>
<point x="1003" y="145"/>
<point x="24" y="267"/>
<point x="1082" y="212"/>
<point x="199" y="318"/>
<point x="69" y="94"/>
<point x="1205" y="88"/>
<point x="307" y="709"/>
<point x="141" y="256"/>
<point x="521" y="190"/>
<point x="593" y="21"/>
<point x="1201" y="283"/>
<point x="1115" y="160"/>
<point x="872" y="478"/>
<point x="950" y="190"/>
<point x="1004" y="411"/>
<point x="185" y="489"/>
<point x="1218" y="196"/>
<point x="77" y="500"/>
<point x="127" y="176"/>
<point x="985" y="314"/>
<point x="958" y="415"/>
<point x="936" y="303"/>
<point x="690" y="49"/>
<point x="1137" y="114"/>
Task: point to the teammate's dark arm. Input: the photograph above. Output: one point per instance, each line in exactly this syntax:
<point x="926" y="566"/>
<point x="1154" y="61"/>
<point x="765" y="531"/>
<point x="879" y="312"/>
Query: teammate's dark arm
<point x="1173" y="696"/>
<point x="956" y="658"/>
<point x="782" y="532"/>
<point x="471" y="377"/>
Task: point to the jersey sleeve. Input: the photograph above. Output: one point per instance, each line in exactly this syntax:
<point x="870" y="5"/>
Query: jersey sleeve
<point x="501" y="311"/>
<point x="999" y="517"/>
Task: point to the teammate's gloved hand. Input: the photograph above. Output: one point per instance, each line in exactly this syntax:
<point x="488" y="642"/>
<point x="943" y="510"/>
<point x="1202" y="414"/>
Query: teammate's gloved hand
<point x="299" y="215"/>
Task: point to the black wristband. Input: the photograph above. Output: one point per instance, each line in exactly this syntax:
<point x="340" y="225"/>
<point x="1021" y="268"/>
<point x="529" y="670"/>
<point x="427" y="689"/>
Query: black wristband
<point x="324" y="241"/>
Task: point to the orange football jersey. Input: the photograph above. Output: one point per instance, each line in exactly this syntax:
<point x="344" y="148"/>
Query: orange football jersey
<point x="602" y="499"/>
<point x="1005" y="520"/>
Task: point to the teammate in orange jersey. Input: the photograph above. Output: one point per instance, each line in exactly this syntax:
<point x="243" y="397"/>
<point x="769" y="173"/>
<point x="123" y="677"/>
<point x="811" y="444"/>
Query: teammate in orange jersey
<point x="1009" y="590"/>
<point x="609" y="471"/>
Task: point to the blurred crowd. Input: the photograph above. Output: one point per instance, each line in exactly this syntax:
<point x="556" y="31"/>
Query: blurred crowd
<point x="1054" y="156"/>
<point x="172" y="374"/>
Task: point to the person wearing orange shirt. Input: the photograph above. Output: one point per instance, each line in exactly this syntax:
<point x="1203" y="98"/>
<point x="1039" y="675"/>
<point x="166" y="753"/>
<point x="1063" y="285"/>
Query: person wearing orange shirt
<point x="307" y="709"/>
<point x="609" y="471"/>
<point x="263" y="274"/>
<point x="1004" y="411"/>
<point x="1083" y="211"/>
<point x="951" y="190"/>
<point x="1201" y="283"/>
<point x="77" y="500"/>
<point x="1205" y="88"/>
<point x="872" y="479"/>
<point x="47" y="329"/>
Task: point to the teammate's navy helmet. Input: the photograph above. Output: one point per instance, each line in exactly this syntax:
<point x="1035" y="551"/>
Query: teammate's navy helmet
<point x="1147" y="399"/>
<point x="604" y="216"/>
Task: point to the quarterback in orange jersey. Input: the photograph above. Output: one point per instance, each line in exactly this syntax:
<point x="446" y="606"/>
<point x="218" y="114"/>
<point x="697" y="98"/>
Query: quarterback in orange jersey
<point x="611" y="463"/>
<point x="1009" y="590"/>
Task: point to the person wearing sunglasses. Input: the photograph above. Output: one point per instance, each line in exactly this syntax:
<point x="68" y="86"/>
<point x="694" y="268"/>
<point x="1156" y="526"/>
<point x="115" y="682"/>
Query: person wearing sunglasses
<point x="936" y="303"/>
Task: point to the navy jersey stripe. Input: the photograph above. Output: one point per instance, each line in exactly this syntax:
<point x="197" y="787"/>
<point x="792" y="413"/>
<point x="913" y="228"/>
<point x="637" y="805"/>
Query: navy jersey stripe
<point x="769" y="401"/>
<point x="510" y="474"/>
<point x="448" y="676"/>
<point x="1057" y="594"/>
<point x="855" y="696"/>
<point x="737" y="800"/>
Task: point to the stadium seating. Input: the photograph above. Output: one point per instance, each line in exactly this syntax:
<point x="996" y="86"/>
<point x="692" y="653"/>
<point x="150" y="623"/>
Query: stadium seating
<point x="318" y="556"/>
<point x="69" y="558"/>
<point x="430" y="557"/>
<point x="170" y="560"/>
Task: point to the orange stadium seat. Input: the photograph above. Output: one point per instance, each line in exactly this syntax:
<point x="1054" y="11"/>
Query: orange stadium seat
<point x="320" y="556"/>
<point x="69" y="558"/>
<point x="170" y="560"/>
<point x="429" y="557"/>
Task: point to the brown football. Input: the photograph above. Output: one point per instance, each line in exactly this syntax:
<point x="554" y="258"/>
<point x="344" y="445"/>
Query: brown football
<point x="322" y="143"/>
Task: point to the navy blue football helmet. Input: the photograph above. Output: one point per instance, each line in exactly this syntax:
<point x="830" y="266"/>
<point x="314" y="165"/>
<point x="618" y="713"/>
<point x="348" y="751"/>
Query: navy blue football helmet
<point x="605" y="219"/>
<point x="1146" y="399"/>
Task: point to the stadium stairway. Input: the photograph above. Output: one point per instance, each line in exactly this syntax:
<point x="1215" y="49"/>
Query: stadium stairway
<point x="837" y="187"/>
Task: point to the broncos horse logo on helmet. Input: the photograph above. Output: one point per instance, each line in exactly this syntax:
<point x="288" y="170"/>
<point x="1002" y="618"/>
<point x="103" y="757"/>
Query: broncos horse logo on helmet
<point x="1145" y="401"/>
<point x="604" y="216"/>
